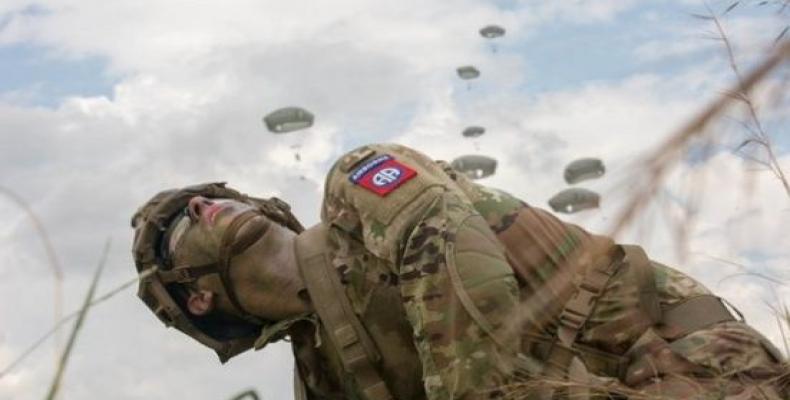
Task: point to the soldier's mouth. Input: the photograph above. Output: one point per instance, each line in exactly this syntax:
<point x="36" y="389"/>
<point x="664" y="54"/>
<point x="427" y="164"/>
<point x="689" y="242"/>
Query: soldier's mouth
<point x="213" y="210"/>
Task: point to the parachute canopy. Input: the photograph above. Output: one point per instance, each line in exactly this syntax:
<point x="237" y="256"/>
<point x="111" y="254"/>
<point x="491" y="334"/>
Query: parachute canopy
<point x="473" y="131"/>
<point x="252" y="394"/>
<point x="288" y="119"/>
<point x="574" y="200"/>
<point x="584" y="169"/>
<point x="475" y="166"/>
<point x="468" y="72"/>
<point x="492" y="31"/>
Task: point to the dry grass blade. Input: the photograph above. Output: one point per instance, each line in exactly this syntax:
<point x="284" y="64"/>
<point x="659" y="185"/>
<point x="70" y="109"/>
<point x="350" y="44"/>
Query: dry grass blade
<point x="54" y="264"/>
<point x="758" y="134"/>
<point x="702" y="17"/>
<point x="608" y="389"/>
<point x="783" y="319"/>
<point x="751" y="275"/>
<point x="781" y="34"/>
<point x="64" y="358"/>
<point x="59" y="324"/>
<point x="786" y="320"/>
<point x="744" y="271"/>
<point x="658" y="163"/>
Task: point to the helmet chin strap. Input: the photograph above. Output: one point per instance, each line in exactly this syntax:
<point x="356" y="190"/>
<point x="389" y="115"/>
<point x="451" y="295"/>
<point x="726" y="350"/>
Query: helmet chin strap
<point x="233" y="246"/>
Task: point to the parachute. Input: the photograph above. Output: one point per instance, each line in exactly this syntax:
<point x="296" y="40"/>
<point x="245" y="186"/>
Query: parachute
<point x="475" y="166"/>
<point x="473" y="131"/>
<point x="251" y="393"/>
<point x="468" y="72"/>
<point x="492" y="31"/>
<point x="288" y="119"/>
<point x="574" y="200"/>
<point x="584" y="169"/>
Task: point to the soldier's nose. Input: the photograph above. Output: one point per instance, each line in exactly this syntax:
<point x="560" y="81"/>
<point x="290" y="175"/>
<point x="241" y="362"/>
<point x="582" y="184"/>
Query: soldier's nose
<point x="197" y="206"/>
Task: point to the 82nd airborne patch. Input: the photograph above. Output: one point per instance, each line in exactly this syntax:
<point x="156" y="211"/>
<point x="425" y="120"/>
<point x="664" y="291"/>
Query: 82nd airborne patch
<point x="382" y="175"/>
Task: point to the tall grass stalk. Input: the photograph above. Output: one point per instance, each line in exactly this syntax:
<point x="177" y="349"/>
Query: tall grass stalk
<point x="756" y="132"/>
<point x="64" y="358"/>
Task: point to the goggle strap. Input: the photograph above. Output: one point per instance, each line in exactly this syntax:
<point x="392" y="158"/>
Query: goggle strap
<point x="188" y="273"/>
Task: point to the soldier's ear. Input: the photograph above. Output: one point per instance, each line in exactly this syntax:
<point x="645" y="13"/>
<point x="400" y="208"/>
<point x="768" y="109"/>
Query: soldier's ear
<point x="200" y="302"/>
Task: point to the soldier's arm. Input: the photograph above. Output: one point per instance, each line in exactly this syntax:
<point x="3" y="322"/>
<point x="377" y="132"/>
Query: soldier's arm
<point x="459" y="294"/>
<point x="456" y="285"/>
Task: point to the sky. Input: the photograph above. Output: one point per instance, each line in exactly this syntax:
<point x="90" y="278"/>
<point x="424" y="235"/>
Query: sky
<point x="103" y="104"/>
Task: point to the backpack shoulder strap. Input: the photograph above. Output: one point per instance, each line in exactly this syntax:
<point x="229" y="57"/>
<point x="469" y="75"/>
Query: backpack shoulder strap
<point x="560" y="354"/>
<point x="355" y="347"/>
<point x="300" y="389"/>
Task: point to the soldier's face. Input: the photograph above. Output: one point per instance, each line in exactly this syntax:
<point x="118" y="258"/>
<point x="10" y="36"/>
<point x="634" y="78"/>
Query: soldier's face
<point x="197" y="236"/>
<point x="196" y="240"/>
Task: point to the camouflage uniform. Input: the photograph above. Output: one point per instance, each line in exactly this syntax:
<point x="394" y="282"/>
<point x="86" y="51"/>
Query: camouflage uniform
<point x="426" y="271"/>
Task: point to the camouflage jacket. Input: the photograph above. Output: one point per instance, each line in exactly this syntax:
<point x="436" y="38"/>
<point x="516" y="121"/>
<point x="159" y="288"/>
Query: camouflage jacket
<point x="406" y="232"/>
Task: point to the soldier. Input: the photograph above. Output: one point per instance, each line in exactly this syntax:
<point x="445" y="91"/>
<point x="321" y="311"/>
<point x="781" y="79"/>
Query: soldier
<point x="419" y="283"/>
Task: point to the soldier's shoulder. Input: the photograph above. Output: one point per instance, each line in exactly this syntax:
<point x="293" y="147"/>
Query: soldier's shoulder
<point x="348" y="161"/>
<point x="339" y="178"/>
<point x="361" y="160"/>
<point x="376" y="190"/>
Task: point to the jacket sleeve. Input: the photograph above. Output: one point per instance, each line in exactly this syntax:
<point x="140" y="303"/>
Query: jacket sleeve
<point x="459" y="294"/>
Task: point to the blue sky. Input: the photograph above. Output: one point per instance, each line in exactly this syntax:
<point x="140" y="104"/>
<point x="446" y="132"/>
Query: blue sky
<point x="563" y="57"/>
<point x="45" y="76"/>
<point x="48" y="77"/>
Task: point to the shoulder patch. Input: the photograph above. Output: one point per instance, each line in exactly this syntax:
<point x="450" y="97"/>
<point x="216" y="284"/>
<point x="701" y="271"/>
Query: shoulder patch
<point x="355" y="157"/>
<point x="381" y="175"/>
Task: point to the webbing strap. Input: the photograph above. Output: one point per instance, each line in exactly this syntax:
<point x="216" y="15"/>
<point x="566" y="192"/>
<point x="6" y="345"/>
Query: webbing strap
<point x="578" y="309"/>
<point x="232" y="246"/>
<point x="356" y="349"/>
<point x="645" y="278"/>
<point x="576" y="312"/>
<point x="187" y="273"/>
<point x="598" y="361"/>
<point x="693" y="314"/>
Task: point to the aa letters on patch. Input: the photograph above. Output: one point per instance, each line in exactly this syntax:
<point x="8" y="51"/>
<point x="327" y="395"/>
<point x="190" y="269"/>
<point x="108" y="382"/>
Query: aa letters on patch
<point x="382" y="175"/>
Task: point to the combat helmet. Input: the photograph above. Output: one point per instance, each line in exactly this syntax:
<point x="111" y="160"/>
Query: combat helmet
<point x="160" y="279"/>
